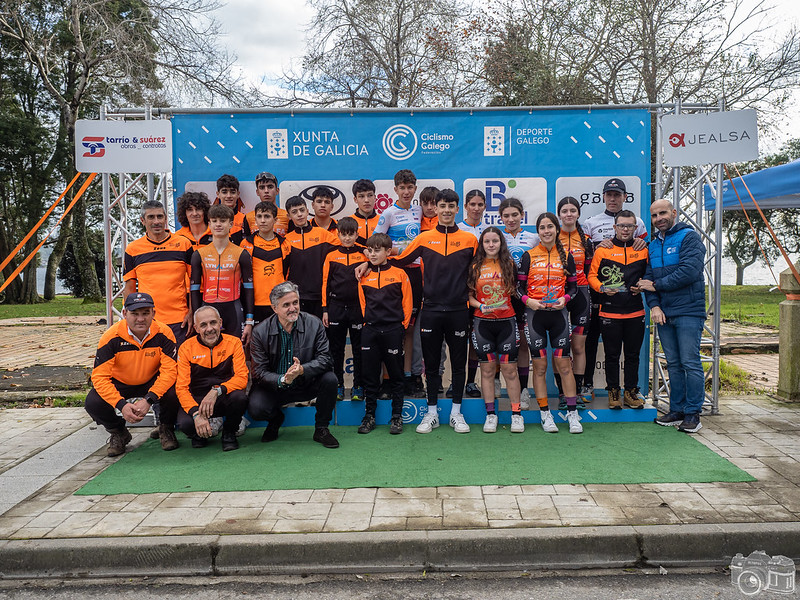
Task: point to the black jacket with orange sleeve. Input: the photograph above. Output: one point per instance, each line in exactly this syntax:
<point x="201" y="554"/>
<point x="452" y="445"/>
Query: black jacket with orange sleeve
<point x="385" y="296"/>
<point x="446" y="254"/>
<point x="121" y="358"/>
<point x="366" y="225"/>
<point x="338" y="275"/>
<point x="619" y="266"/>
<point x="308" y="247"/>
<point x="201" y="367"/>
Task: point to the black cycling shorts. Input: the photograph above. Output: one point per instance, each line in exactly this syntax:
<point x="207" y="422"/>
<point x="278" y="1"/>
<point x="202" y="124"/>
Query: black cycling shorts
<point x="543" y="323"/>
<point x="580" y="309"/>
<point x="495" y="340"/>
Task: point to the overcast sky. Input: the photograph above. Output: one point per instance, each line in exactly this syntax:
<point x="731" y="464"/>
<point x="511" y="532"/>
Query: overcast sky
<point x="268" y="36"/>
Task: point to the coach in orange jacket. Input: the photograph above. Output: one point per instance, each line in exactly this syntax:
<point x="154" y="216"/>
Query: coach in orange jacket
<point x="212" y="377"/>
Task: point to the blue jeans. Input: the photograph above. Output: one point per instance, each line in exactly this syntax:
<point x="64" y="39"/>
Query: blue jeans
<point x="680" y="339"/>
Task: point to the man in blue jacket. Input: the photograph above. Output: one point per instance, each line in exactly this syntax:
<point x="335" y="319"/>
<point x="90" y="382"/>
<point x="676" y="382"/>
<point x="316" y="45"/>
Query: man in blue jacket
<point x="675" y="293"/>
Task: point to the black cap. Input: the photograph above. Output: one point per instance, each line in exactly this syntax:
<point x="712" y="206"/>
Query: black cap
<point x="614" y="185"/>
<point x="139" y="300"/>
<point x="265" y="176"/>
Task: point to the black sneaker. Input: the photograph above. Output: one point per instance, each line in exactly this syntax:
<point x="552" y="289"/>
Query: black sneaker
<point x="396" y="424"/>
<point x="690" y="424"/>
<point x="324" y="437"/>
<point x="229" y="441"/>
<point x="367" y="424"/>
<point x="271" y="431"/>
<point x="671" y="419"/>
<point x="472" y="390"/>
<point x="199" y="442"/>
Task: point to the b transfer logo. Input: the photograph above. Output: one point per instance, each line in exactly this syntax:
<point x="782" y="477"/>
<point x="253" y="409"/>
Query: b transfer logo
<point x="94" y="145"/>
<point x="400" y="142"/>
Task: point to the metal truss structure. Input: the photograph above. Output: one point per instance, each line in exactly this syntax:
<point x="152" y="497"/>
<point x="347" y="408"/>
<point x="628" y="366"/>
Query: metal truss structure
<point x="684" y="186"/>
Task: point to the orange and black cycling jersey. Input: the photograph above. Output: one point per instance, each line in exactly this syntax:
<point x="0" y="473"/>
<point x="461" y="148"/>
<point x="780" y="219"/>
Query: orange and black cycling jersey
<point x="280" y="228"/>
<point x="543" y="277"/>
<point x="571" y="240"/>
<point x="222" y="277"/>
<point x="161" y="269"/>
<point x="491" y="290"/>
<point x="201" y="367"/>
<point x="366" y="225"/>
<point x="385" y="296"/>
<point x="307" y="248"/>
<point x="269" y="268"/>
<point x="338" y="275"/>
<point x="428" y="223"/>
<point x="618" y="267"/>
<point x="446" y="253"/>
<point x="121" y="358"/>
<point x="187" y="233"/>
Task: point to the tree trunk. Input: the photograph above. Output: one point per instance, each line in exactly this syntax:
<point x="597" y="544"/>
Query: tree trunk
<point x="65" y="231"/>
<point x="740" y="274"/>
<point x="83" y="255"/>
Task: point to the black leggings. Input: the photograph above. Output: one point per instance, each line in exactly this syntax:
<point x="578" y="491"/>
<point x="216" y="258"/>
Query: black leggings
<point x="436" y="327"/>
<point x="382" y="344"/>
<point x="341" y="320"/>
<point x="619" y="334"/>
<point x="592" y="339"/>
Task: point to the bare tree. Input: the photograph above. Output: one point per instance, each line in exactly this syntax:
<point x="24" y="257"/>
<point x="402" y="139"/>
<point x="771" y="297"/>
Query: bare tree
<point x="373" y="53"/>
<point x="86" y="52"/>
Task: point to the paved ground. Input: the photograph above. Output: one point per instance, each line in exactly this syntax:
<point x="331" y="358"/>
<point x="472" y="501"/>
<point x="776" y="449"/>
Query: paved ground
<point x="48" y="454"/>
<point x="753" y="432"/>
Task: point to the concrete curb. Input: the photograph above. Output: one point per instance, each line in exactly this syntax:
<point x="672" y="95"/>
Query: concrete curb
<point x="450" y="551"/>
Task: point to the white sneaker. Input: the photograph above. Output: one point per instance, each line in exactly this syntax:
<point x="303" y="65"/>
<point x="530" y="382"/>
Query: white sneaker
<point x="517" y="424"/>
<point x="216" y="425"/>
<point x="429" y="422"/>
<point x="497" y="389"/>
<point x="458" y="423"/>
<point x="242" y="427"/>
<point x="490" y="425"/>
<point x="525" y="399"/>
<point x="547" y="422"/>
<point x="574" y="422"/>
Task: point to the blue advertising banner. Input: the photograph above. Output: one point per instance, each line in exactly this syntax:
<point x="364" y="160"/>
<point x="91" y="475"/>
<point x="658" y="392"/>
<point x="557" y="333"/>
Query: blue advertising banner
<point x="536" y="156"/>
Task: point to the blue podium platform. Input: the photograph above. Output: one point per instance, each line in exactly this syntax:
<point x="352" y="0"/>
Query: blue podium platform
<point x="351" y="413"/>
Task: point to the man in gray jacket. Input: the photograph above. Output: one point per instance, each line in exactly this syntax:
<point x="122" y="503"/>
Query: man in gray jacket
<point x="291" y="362"/>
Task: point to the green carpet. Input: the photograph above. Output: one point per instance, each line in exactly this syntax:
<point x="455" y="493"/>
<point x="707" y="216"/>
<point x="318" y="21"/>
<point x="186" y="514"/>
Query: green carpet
<point x="604" y="453"/>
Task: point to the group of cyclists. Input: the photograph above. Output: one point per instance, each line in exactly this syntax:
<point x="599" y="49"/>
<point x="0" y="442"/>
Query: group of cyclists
<point x="509" y="291"/>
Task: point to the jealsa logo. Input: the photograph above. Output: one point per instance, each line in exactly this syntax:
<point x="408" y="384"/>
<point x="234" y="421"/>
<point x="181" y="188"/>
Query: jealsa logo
<point x="676" y="140"/>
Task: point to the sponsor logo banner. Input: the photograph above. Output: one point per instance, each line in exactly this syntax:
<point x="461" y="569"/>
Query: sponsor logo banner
<point x="129" y="146"/>
<point x="711" y="138"/>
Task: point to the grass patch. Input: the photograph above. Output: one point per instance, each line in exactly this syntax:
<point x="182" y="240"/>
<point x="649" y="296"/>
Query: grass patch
<point x="61" y="306"/>
<point x="751" y="304"/>
<point x="74" y="401"/>
<point x="732" y="378"/>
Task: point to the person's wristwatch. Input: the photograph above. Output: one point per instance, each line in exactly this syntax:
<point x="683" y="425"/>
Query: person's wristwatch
<point x="282" y="381"/>
<point x="217" y="389"/>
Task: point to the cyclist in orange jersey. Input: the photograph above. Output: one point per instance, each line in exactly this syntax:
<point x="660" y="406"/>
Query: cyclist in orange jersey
<point x="547" y="283"/>
<point x="222" y="276"/>
<point x="574" y="240"/>
<point x="228" y="194"/>
<point x="491" y="280"/>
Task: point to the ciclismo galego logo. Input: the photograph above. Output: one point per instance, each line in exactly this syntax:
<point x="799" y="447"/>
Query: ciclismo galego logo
<point x="400" y="142"/>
